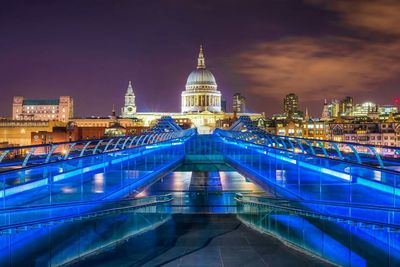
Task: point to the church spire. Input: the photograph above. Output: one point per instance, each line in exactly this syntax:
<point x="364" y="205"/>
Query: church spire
<point x="201" y="61"/>
<point x="129" y="90"/>
<point x="113" y="114"/>
<point x="307" y="117"/>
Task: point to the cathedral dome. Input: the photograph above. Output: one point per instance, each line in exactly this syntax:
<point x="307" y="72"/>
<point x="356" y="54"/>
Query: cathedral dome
<point x="201" y="92"/>
<point x="201" y="77"/>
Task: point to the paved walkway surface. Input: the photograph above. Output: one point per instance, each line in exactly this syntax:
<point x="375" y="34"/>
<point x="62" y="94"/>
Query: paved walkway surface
<point x="202" y="240"/>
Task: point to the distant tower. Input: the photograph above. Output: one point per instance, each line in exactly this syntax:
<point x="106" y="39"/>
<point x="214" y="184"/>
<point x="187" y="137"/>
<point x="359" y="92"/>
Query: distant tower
<point x="223" y="105"/>
<point x="239" y="103"/>
<point x="113" y="114"/>
<point x="290" y="104"/>
<point x="129" y="109"/>
<point x="325" y="111"/>
<point x="306" y="116"/>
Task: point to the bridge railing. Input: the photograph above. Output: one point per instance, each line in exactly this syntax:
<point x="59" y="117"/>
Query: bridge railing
<point x="305" y="176"/>
<point x="12" y="158"/>
<point x="385" y="157"/>
<point x="316" y="230"/>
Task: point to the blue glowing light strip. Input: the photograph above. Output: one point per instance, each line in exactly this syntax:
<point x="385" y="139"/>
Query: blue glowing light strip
<point x="341" y="175"/>
<point x="368" y="183"/>
<point x="24" y="187"/>
<point x="337" y="174"/>
<point x="379" y="186"/>
<point x="114" y="161"/>
<point x="66" y="175"/>
<point x="62" y="176"/>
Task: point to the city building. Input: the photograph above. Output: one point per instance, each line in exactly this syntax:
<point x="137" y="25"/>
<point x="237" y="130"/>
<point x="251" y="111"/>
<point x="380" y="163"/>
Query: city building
<point x="387" y="109"/>
<point x="290" y="104"/>
<point x="129" y="109"/>
<point x="346" y="109"/>
<point x="61" y="109"/>
<point x="223" y="105"/>
<point x="381" y="133"/>
<point x="365" y="109"/>
<point x="18" y="132"/>
<point x="201" y="107"/>
<point x="239" y="103"/>
<point x="346" y="106"/>
<point x="201" y="92"/>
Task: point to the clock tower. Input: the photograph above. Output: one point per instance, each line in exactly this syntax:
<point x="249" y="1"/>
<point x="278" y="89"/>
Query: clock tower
<point x="129" y="109"/>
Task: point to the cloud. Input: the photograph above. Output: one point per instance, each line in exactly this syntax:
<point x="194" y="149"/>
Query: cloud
<point x="331" y="66"/>
<point x="319" y="68"/>
<point x="378" y="16"/>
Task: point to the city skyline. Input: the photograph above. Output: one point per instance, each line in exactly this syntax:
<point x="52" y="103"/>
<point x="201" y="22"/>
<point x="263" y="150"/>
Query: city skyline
<point x="88" y="51"/>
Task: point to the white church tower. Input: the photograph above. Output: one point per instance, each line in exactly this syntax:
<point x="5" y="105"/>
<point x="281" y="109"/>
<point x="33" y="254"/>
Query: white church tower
<point x="129" y="109"/>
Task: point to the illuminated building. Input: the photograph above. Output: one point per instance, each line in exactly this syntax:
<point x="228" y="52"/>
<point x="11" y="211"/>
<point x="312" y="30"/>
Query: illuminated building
<point x="223" y="105"/>
<point x="314" y="129"/>
<point x="18" y="132"/>
<point x="290" y="128"/>
<point x="201" y="103"/>
<point x="346" y="106"/>
<point x="201" y="92"/>
<point x="239" y="103"/>
<point x="373" y="132"/>
<point x="334" y="108"/>
<point x="290" y="104"/>
<point x="325" y="111"/>
<point x="129" y="109"/>
<point x="61" y="109"/>
<point x="364" y="109"/>
<point x="387" y="109"/>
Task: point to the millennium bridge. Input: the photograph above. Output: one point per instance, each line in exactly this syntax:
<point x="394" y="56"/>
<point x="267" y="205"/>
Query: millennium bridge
<point x="237" y="197"/>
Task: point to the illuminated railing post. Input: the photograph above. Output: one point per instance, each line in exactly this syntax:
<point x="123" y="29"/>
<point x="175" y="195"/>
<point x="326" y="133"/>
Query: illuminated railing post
<point x="355" y="153"/>
<point x="84" y="148"/>
<point x="310" y="146"/>
<point x="298" y="141"/>
<point x="339" y="153"/>
<point x="323" y="148"/>
<point x="154" y="137"/>
<point x="291" y="144"/>
<point x="70" y="147"/>
<point x="139" y="139"/>
<point x="280" y="141"/>
<point x="3" y="155"/>
<point x="146" y="138"/>
<point x="378" y="157"/>
<point x="96" y="147"/>
<point x="133" y="139"/>
<point x="31" y="151"/>
<point x="53" y="148"/>
<point x="108" y="144"/>
<point x="117" y="143"/>
<point x="126" y="141"/>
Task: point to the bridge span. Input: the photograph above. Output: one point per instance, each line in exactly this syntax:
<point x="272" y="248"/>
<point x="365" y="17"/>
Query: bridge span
<point x="72" y="203"/>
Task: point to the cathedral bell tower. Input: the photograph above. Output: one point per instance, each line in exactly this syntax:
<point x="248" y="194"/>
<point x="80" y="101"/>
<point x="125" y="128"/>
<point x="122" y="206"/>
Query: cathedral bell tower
<point x="129" y="109"/>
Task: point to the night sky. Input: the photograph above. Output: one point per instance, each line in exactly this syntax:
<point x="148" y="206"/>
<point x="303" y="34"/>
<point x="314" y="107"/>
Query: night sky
<point x="262" y="49"/>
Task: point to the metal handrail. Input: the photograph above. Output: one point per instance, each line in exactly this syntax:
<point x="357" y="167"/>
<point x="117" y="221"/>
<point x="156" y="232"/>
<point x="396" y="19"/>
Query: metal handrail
<point x="314" y="214"/>
<point x="218" y="130"/>
<point x="77" y="203"/>
<point x="49" y="149"/>
<point x="324" y="202"/>
<point x="91" y="214"/>
<point x="381" y="167"/>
